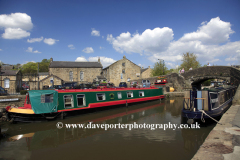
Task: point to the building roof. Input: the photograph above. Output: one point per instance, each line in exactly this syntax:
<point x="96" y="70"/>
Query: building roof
<point x="142" y="70"/>
<point x="124" y="57"/>
<point x="68" y="64"/>
<point x="9" y="72"/>
<point x="43" y="73"/>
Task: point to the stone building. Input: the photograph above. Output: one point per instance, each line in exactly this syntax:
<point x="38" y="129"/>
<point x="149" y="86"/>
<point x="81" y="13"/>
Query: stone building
<point x="48" y="81"/>
<point x="146" y="72"/>
<point x="11" y="80"/>
<point x="75" y="71"/>
<point x="122" y="71"/>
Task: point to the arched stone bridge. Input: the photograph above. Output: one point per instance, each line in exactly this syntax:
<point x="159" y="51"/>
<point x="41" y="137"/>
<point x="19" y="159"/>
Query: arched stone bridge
<point x="197" y="76"/>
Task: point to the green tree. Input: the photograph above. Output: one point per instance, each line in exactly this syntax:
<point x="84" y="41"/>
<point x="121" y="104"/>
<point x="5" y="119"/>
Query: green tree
<point x="189" y="60"/>
<point x="158" y="69"/>
<point x="29" y="68"/>
<point x="43" y="66"/>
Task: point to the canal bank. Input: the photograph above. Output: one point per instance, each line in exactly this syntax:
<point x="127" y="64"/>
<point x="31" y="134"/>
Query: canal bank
<point x="223" y="142"/>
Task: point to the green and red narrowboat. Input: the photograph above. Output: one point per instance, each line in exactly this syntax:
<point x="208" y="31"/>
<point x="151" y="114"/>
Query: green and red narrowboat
<point x="49" y="104"/>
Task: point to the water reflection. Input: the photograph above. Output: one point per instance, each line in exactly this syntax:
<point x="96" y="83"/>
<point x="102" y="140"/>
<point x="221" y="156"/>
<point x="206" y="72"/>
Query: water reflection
<point x="45" y="141"/>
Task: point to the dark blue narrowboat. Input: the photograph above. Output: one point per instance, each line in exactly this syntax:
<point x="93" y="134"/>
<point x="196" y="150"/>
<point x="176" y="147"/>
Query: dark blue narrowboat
<point x="207" y="103"/>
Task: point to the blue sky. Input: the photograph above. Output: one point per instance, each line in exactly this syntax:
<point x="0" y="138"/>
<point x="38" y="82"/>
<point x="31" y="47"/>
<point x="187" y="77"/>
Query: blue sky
<point x="144" y="31"/>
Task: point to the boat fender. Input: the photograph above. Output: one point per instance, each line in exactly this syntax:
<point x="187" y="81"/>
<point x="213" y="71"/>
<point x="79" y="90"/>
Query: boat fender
<point x="190" y="121"/>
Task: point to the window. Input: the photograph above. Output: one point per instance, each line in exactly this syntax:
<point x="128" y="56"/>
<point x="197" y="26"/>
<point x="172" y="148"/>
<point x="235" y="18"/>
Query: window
<point x="119" y="95"/>
<point x="141" y="94"/>
<point x="70" y="76"/>
<point x="123" y="71"/>
<point x="129" y="94"/>
<point x="101" y="97"/>
<point x="81" y="100"/>
<point x="81" y="76"/>
<point x="47" y="98"/>
<point x="123" y="64"/>
<point x="68" y="101"/>
<point x="6" y="83"/>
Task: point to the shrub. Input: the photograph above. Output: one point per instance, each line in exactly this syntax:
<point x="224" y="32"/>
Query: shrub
<point x="23" y="92"/>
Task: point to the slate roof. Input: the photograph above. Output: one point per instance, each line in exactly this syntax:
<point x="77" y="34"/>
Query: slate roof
<point x="9" y="72"/>
<point x="142" y="70"/>
<point x="68" y="64"/>
<point x="43" y="73"/>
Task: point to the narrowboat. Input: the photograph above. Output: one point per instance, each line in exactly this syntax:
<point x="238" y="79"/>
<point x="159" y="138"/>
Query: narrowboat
<point x="50" y="104"/>
<point x="207" y="103"/>
<point x="161" y="81"/>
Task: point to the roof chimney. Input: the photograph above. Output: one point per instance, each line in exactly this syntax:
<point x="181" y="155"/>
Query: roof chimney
<point x="124" y="57"/>
<point x="51" y="59"/>
<point x="99" y="60"/>
<point x="148" y="66"/>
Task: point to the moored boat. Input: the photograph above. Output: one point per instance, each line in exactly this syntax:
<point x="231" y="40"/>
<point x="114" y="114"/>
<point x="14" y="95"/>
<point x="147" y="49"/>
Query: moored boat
<point x="49" y="104"/>
<point x="207" y="103"/>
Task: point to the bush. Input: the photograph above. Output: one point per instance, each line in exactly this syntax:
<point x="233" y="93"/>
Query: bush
<point x="23" y="92"/>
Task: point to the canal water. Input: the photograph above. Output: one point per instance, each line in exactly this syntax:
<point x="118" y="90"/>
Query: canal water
<point x="45" y="141"/>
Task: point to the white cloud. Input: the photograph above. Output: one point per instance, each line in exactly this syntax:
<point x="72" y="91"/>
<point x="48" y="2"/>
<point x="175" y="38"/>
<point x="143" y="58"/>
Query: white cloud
<point x="102" y="37"/>
<point x="50" y="41"/>
<point x="149" y="42"/>
<point x="15" y="33"/>
<point x="95" y="32"/>
<point x="30" y="49"/>
<point x="71" y="46"/>
<point x="0" y="49"/>
<point x="81" y="59"/>
<point x="231" y="58"/>
<point x="15" y="25"/>
<point x="214" y="32"/>
<point x="207" y="51"/>
<point x="105" y="61"/>
<point x="16" y="20"/>
<point x="88" y="50"/>
<point x="33" y="40"/>
<point x="101" y="47"/>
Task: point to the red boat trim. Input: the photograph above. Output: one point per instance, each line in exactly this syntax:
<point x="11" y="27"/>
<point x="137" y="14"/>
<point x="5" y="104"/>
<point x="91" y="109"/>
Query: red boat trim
<point x="112" y="103"/>
<point x="103" y="90"/>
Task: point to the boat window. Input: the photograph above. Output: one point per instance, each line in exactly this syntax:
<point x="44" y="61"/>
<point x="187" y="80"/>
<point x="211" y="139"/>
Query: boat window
<point x="68" y="101"/>
<point x="214" y="100"/>
<point x="129" y="94"/>
<point x="101" y="97"/>
<point x="47" y="98"/>
<point x="81" y="100"/>
<point x="141" y="93"/>
<point x="119" y="95"/>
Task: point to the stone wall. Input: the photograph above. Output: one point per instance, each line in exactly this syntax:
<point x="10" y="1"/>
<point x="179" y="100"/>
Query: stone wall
<point x="115" y="71"/>
<point x="63" y="73"/>
<point x="47" y="81"/>
<point x="15" y="83"/>
<point x="147" y="73"/>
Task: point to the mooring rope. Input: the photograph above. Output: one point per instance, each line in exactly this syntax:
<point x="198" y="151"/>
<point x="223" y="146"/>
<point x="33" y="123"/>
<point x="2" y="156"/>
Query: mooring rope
<point x="203" y="120"/>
